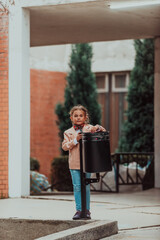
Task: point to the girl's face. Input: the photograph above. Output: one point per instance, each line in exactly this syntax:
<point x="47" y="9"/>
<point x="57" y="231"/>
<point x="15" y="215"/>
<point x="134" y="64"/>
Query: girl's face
<point x="78" y="117"/>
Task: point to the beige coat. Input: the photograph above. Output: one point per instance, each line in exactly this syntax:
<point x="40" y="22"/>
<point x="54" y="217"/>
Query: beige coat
<point x="69" y="145"/>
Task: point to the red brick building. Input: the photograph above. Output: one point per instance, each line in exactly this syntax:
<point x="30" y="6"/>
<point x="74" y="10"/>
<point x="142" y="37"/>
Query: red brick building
<point x="45" y="142"/>
<point x="3" y="105"/>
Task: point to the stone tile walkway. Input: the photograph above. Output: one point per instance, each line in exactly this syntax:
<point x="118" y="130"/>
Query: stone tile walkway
<point x="137" y="213"/>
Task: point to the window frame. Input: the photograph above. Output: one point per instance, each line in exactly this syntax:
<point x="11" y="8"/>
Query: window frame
<point x="121" y="89"/>
<point x="106" y="84"/>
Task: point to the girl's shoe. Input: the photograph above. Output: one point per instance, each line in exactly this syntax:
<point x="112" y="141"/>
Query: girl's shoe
<point x="88" y="214"/>
<point x="77" y="215"/>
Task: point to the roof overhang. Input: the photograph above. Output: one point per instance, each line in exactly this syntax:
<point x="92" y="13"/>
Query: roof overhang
<point x="62" y="22"/>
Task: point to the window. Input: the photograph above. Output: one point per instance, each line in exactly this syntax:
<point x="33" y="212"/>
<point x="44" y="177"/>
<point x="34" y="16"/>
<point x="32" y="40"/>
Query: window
<point x="112" y="90"/>
<point x="103" y="97"/>
<point x="102" y="83"/>
<point x="120" y="82"/>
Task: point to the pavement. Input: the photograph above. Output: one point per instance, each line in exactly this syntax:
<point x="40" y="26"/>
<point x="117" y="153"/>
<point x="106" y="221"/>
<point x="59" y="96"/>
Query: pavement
<point x="137" y="212"/>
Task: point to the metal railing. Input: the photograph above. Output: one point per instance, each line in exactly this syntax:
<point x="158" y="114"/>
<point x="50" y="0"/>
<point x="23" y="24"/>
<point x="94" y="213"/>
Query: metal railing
<point x="140" y="160"/>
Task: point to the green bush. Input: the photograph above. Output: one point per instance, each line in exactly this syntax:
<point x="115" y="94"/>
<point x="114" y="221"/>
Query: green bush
<point x="34" y="164"/>
<point x="81" y="89"/>
<point x="60" y="174"/>
<point x="148" y="180"/>
<point x="138" y="129"/>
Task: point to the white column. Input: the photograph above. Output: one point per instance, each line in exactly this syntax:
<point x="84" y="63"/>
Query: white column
<point x="157" y="112"/>
<point x="19" y="101"/>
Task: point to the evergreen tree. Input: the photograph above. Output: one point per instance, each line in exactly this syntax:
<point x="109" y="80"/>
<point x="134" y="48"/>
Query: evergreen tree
<point x="138" y="130"/>
<point x="81" y="88"/>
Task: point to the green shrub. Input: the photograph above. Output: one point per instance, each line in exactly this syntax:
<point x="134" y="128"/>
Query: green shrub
<point x="138" y="129"/>
<point x="81" y="89"/>
<point x="60" y="174"/>
<point x="34" y="164"/>
<point x="148" y="180"/>
<point x="2" y="196"/>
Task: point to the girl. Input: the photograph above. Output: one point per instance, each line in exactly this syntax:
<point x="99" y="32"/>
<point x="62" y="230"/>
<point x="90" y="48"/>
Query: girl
<point x="80" y="118"/>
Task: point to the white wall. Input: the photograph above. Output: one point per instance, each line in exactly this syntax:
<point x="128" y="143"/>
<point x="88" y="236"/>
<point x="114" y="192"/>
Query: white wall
<point x="113" y="56"/>
<point x="107" y="56"/>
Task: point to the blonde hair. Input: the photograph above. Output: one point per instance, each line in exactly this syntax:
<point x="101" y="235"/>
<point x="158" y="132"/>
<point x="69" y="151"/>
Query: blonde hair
<point x="80" y="107"/>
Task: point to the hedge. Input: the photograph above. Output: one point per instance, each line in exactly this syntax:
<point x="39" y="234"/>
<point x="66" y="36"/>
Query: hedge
<point x="60" y="174"/>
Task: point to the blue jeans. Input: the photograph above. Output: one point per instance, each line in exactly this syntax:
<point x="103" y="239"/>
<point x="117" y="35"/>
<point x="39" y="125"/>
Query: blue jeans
<point x="76" y="181"/>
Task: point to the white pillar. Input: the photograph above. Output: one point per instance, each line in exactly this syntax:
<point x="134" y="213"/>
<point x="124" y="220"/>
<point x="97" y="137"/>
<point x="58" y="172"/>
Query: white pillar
<point x="19" y="101"/>
<point x="157" y="112"/>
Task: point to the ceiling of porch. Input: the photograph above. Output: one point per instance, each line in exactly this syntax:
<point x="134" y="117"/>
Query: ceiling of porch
<point x="90" y="22"/>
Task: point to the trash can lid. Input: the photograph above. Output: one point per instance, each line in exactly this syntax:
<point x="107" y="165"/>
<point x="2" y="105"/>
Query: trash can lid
<point x="97" y="136"/>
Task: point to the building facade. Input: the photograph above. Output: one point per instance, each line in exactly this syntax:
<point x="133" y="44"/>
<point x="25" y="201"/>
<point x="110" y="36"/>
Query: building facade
<point x="111" y="63"/>
<point x="25" y="24"/>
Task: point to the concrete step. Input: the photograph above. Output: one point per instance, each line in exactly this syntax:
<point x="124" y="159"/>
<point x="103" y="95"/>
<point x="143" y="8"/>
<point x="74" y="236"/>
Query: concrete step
<point x="92" y="231"/>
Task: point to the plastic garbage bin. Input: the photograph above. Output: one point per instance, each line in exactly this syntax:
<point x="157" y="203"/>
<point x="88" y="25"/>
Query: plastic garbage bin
<point x="96" y="152"/>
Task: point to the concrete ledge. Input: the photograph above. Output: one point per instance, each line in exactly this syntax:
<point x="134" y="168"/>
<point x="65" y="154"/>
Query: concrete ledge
<point x="91" y="231"/>
<point x="30" y="229"/>
<point x="44" y="193"/>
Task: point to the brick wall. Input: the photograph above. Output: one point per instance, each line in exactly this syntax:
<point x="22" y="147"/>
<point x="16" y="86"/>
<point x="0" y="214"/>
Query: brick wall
<point x="3" y="105"/>
<point x="47" y="89"/>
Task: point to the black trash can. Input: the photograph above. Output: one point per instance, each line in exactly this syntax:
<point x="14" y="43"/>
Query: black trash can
<point x="96" y="152"/>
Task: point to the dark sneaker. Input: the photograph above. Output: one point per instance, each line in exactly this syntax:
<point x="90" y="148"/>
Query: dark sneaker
<point x="88" y="214"/>
<point x="77" y="215"/>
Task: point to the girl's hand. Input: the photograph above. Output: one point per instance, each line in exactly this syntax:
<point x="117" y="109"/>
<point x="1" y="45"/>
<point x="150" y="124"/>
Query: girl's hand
<point x="79" y="136"/>
<point x="93" y="129"/>
<point x="97" y="128"/>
